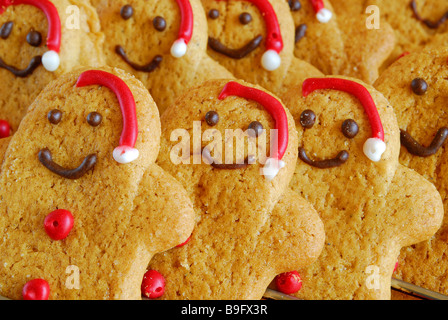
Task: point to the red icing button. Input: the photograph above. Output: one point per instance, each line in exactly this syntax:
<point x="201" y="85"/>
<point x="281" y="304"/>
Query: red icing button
<point x="37" y="289"/>
<point x="288" y="282"/>
<point x="182" y="244"/>
<point x="5" y="129"/>
<point x="153" y="284"/>
<point x="58" y="224"/>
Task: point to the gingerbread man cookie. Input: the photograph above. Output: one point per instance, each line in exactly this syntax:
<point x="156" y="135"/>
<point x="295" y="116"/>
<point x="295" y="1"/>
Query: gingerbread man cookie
<point x="40" y="40"/>
<point x="84" y="206"/>
<point x="163" y="43"/>
<point x="348" y="169"/>
<point x="249" y="225"/>
<point x="417" y="87"/>
<point x="340" y="44"/>
<point x="254" y="39"/>
<point x="417" y="23"/>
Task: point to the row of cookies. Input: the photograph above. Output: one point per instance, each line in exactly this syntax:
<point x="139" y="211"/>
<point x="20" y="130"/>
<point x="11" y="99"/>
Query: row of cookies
<point x="252" y="251"/>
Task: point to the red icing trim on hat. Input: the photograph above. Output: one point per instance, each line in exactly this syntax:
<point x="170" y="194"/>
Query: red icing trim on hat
<point x="271" y="104"/>
<point x="274" y="40"/>
<point x="186" y="20"/>
<point x="354" y="88"/>
<point x="125" y="98"/>
<point x="317" y="5"/>
<point x="50" y="11"/>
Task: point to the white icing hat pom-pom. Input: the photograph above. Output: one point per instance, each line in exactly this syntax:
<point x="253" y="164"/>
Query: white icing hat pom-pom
<point x="374" y="149"/>
<point x="125" y="154"/>
<point x="179" y="48"/>
<point x="51" y="61"/>
<point x="272" y="167"/>
<point x="271" y="60"/>
<point x="324" y="15"/>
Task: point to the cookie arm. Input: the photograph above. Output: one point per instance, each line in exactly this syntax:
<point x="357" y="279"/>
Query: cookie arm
<point x="4" y="143"/>
<point x="164" y="212"/>
<point x="299" y="236"/>
<point x="421" y="201"/>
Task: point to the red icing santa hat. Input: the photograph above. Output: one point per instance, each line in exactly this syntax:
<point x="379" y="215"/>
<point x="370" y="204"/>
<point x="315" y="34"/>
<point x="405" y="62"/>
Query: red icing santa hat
<point x="179" y="47"/>
<point x="322" y="14"/>
<point x="126" y="151"/>
<point x="274" y="43"/>
<point x="50" y="59"/>
<point x="274" y="163"/>
<point x="375" y="146"/>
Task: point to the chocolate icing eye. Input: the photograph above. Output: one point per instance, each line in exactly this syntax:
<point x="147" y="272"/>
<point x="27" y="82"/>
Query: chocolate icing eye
<point x="294" y="5"/>
<point x="419" y="86"/>
<point x="212" y="118"/>
<point x="6" y="29"/>
<point x="127" y="12"/>
<point x="94" y="119"/>
<point x="307" y="119"/>
<point x="245" y="18"/>
<point x="255" y="129"/>
<point x="54" y="116"/>
<point x="34" y="38"/>
<point x="213" y="14"/>
<point x="350" y="128"/>
<point x="159" y="23"/>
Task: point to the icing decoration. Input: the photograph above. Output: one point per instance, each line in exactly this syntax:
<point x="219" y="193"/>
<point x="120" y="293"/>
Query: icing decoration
<point x="323" y="15"/>
<point x="179" y="47"/>
<point x="149" y="67"/>
<point x="428" y="23"/>
<point x="271" y="59"/>
<point x="50" y="59"/>
<point x="184" y="243"/>
<point x="337" y="161"/>
<point x="46" y="159"/>
<point x="153" y="285"/>
<point x="126" y="151"/>
<point x="58" y="224"/>
<point x="417" y="149"/>
<point x="239" y="53"/>
<point x="34" y="63"/>
<point x="288" y="282"/>
<point x="37" y="289"/>
<point x="375" y="146"/>
<point x="274" y="163"/>
<point x="5" y="129"/>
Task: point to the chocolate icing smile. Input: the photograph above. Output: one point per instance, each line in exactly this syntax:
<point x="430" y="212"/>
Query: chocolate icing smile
<point x="46" y="159"/>
<point x="236" y="166"/>
<point x="339" y="160"/>
<point x="240" y="53"/>
<point x="150" y="67"/>
<point x="417" y="149"/>
<point x="428" y="23"/>
<point x="34" y="63"/>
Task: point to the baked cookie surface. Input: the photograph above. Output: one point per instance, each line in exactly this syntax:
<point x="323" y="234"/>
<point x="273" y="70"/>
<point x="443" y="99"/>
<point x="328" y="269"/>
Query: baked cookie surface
<point x="84" y="205"/>
<point x="371" y="206"/>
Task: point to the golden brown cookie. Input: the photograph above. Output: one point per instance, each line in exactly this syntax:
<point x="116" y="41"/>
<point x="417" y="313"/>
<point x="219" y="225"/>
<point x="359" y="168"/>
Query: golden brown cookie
<point x="417" y="87"/>
<point x="163" y="43"/>
<point x="249" y="225"/>
<point x="415" y="22"/>
<point x="255" y="41"/>
<point x="28" y="48"/>
<point x="342" y="44"/>
<point x="84" y="205"/>
<point x="348" y="169"/>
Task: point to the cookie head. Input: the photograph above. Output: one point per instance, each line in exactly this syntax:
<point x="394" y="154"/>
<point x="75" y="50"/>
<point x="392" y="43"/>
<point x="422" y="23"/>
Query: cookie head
<point x="341" y="124"/>
<point x="167" y="31"/>
<point x="256" y="34"/>
<point x="243" y="131"/>
<point x="50" y="59"/>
